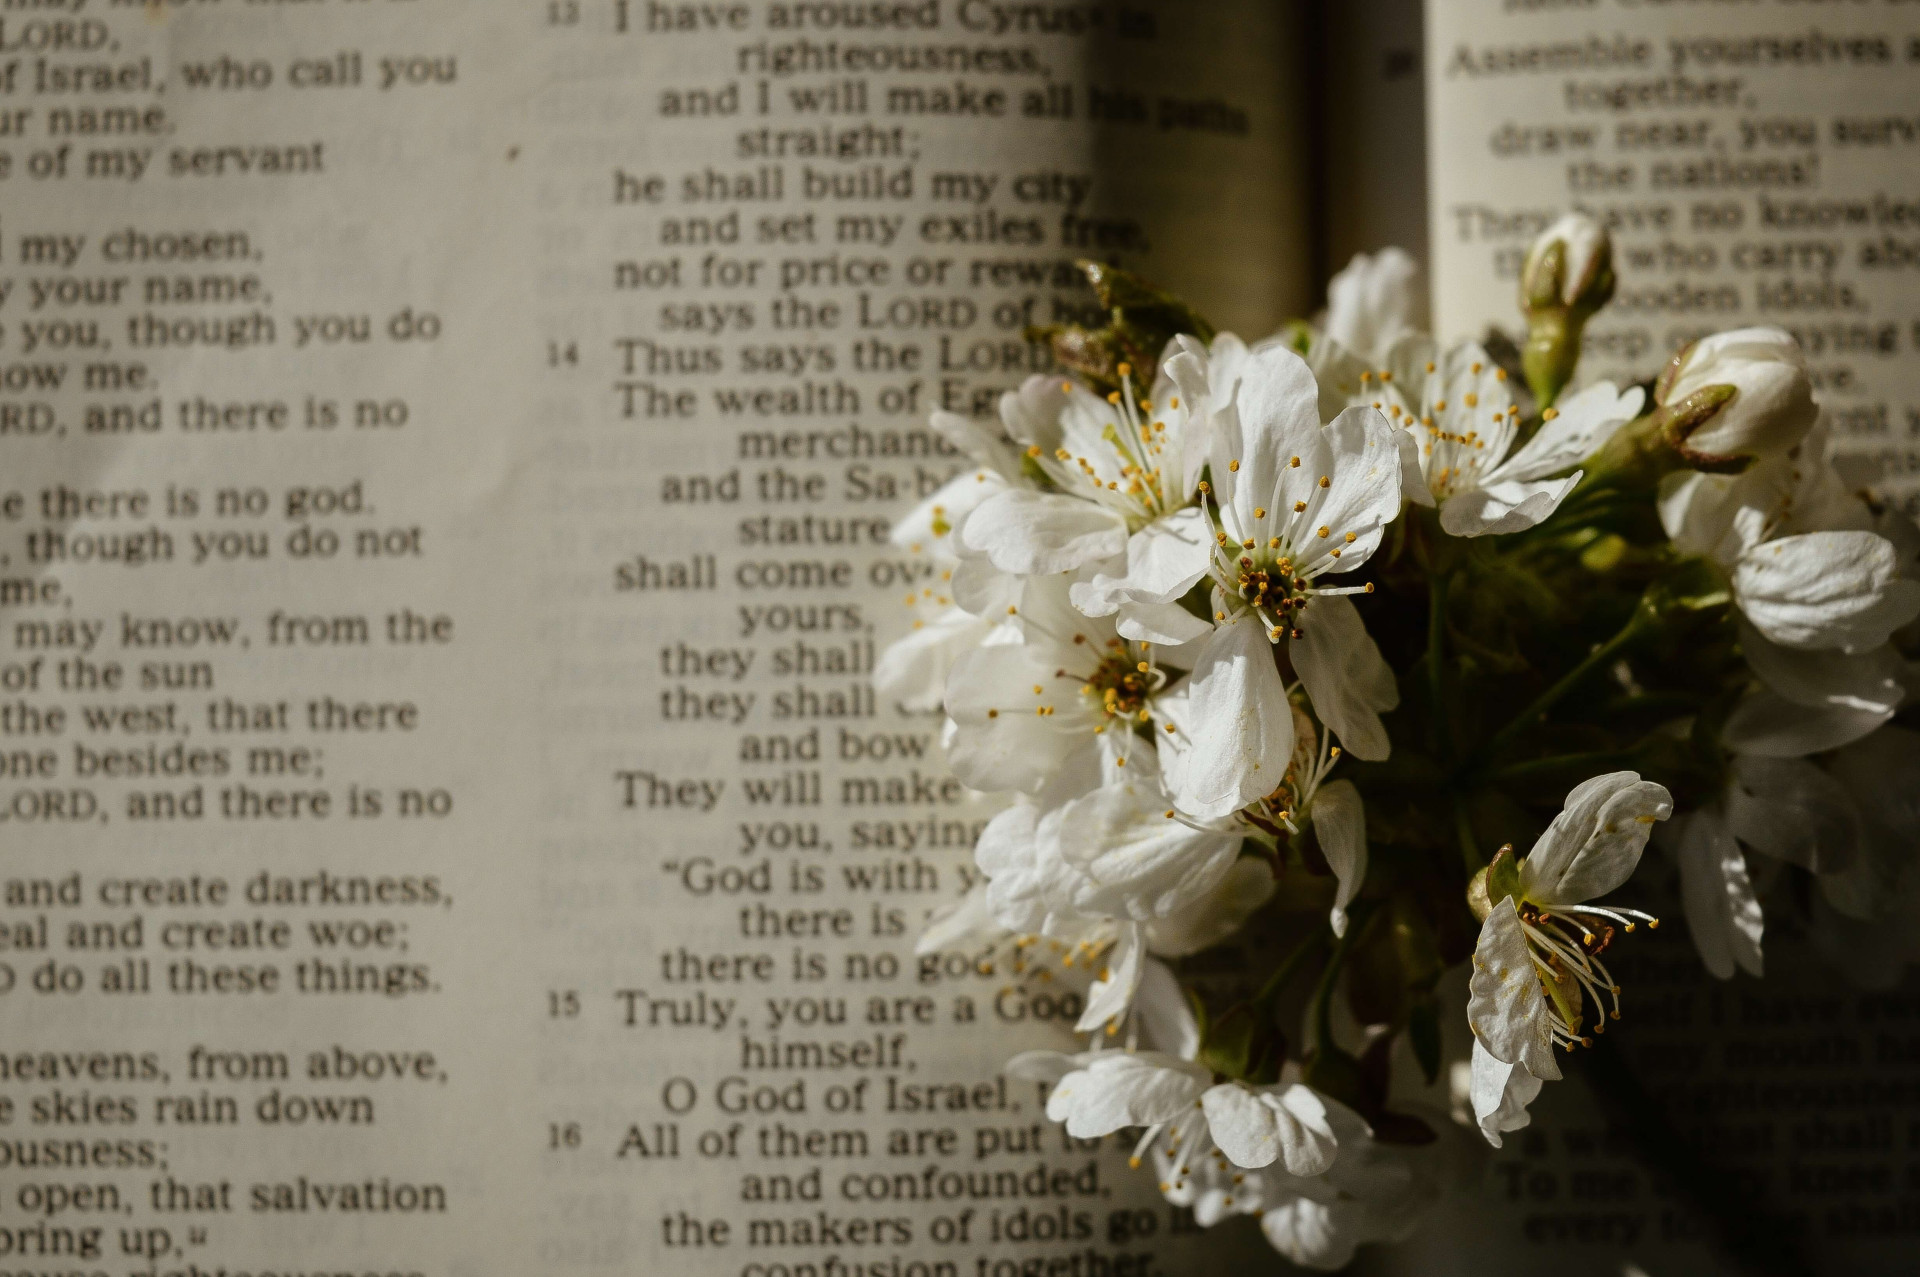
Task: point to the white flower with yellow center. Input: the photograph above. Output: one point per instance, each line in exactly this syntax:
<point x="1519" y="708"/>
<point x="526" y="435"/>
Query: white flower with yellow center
<point x="1019" y="712"/>
<point x="1293" y="503"/>
<point x="1460" y="412"/>
<point x="1538" y="963"/>
<point x="1116" y="465"/>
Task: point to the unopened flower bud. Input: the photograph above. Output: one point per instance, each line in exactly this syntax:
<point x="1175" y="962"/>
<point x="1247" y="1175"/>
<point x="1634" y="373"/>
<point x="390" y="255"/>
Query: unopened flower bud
<point x="1743" y="393"/>
<point x="1568" y="276"/>
<point x="1569" y="265"/>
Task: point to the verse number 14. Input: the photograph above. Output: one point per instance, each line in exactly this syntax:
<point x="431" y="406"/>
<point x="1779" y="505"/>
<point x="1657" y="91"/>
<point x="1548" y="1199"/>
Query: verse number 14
<point x="563" y="13"/>
<point x="563" y="354"/>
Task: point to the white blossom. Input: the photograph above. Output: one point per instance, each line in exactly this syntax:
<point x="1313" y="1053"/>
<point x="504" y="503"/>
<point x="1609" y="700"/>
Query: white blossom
<point x="1800" y="586"/>
<point x="1372" y="304"/>
<point x="1019" y="712"/>
<point x="1460" y="412"/>
<point x="1296" y="502"/>
<point x="1537" y="963"/>
<point x="1117" y="466"/>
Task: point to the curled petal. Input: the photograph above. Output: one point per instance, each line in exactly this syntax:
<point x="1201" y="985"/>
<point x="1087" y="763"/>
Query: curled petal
<point x="1501" y="1093"/>
<point x="1257" y="1127"/>
<point x="1500" y="508"/>
<point x="1111" y="996"/>
<point x="1341" y="822"/>
<point x="1505" y="1005"/>
<point x="1722" y="912"/>
<point x="1595" y="842"/>
<point x="1118" y="1089"/>
<point x="1165" y="559"/>
<point x="1867" y="680"/>
<point x="1581" y="424"/>
<point x="1134" y="859"/>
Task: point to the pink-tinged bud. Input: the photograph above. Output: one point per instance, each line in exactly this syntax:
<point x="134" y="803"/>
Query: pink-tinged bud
<point x="1743" y="393"/>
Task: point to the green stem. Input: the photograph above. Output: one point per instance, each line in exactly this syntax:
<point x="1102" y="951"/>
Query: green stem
<point x="1589" y="764"/>
<point x="1469" y="845"/>
<point x="1654" y="702"/>
<point x="1322" y="1013"/>
<point x="1599" y="658"/>
<point x="1437" y="587"/>
<point x="1290" y="966"/>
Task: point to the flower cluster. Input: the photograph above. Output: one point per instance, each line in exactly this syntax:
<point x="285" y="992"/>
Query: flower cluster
<point x="1291" y="644"/>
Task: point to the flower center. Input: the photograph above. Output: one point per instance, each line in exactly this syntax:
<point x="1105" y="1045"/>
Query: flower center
<point x="1121" y="683"/>
<point x="1565" y="944"/>
<point x="1268" y="585"/>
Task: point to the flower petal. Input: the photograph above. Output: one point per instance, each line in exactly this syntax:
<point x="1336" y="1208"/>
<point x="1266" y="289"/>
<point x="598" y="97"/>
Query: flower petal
<point x="1769" y="725"/>
<point x="1258" y="1127"/>
<point x="1826" y="589"/>
<point x="1595" y="842"/>
<point x="1118" y="1089"/>
<point x="1867" y="680"/>
<point x="1043" y="533"/>
<point x="1348" y="680"/>
<point x="1165" y="1017"/>
<point x="1217" y="916"/>
<point x="1043" y="1066"/>
<point x="912" y="672"/>
<point x="1243" y="724"/>
<point x="1317" y="1235"/>
<point x="1501" y="508"/>
<point x="1362" y="493"/>
<point x="1340" y="820"/>
<point x="1581" y="424"/>
<point x="1372" y="301"/>
<point x="1722" y="911"/>
<point x="1501" y="1093"/>
<point x="1505" y="1005"/>
<point x="1001" y="741"/>
<point x="988" y="448"/>
<point x="1165" y="559"/>
<point x="1275" y="416"/>
<point x="1793" y="811"/>
<point x="1165" y="624"/>
<point x="1111" y="996"/>
<point x="1135" y="859"/>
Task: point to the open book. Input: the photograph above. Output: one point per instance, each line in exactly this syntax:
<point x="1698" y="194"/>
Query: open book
<point x="451" y="453"/>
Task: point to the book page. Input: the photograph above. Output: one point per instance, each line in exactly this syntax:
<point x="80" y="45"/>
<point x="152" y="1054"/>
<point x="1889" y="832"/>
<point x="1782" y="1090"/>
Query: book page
<point x="451" y="451"/>
<point x="1756" y="164"/>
